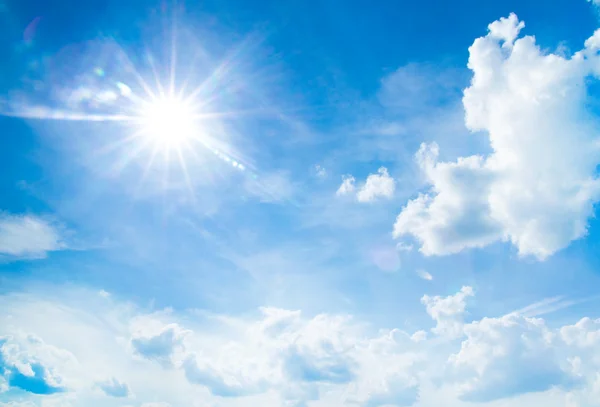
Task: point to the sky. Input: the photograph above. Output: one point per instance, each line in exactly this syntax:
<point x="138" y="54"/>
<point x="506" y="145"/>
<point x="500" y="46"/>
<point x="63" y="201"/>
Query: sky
<point x="303" y="203"/>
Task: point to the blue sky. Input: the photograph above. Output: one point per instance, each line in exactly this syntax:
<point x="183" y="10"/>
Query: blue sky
<point x="299" y="203"/>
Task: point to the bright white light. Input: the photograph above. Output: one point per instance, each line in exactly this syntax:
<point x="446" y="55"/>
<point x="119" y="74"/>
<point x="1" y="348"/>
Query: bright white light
<point x="168" y="122"/>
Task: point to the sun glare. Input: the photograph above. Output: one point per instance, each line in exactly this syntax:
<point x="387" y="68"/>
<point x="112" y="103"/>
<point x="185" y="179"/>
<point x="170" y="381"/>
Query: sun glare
<point x="168" y="122"/>
<point x="166" y="119"/>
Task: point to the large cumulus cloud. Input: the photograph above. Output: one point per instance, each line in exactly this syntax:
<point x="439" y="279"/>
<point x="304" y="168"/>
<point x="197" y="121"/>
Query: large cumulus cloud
<point x="538" y="186"/>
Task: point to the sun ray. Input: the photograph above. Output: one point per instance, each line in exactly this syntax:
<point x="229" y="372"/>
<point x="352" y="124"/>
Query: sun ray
<point x="111" y="147"/>
<point x="159" y="86"/>
<point x="44" y="113"/>
<point x="166" y="172"/>
<point x="126" y="159"/>
<point x="185" y="82"/>
<point x="147" y="168"/>
<point x="207" y="82"/>
<point x="173" y="54"/>
<point x="220" y="71"/>
<point x="186" y="175"/>
<point x="225" y="67"/>
<point x="139" y="78"/>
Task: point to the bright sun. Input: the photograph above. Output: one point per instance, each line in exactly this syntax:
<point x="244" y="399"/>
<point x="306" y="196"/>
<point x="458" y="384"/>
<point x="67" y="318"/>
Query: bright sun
<point x="168" y="122"/>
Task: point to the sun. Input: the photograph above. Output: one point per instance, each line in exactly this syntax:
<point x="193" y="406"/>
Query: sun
<point x="168" y="122"/>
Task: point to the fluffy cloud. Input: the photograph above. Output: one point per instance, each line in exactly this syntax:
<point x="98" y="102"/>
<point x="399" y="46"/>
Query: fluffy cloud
<point x="281" y="351"/>
<point x="538" y="186"/>
<point x="393" y="393"/>
<point x="223" y="384"/>
<point x="456" y="217"/>
<point x="278" y="355"/>
<point x="3" y="384"/>
<point x="582" y="340"/>
<point x="448" y="312"/>
<point x="285" y="357"/>
<point x="507" y="356"/>
<point x="347" y="186"/>
<point x="114" y="388"/>
<point x="379" y="185"/>
<point x="29" y="364"/>
<point x="162" y="345"/>
<point x="584" y="334"/>
<point x="513" y="355"/>
<point x="27" y="236"/>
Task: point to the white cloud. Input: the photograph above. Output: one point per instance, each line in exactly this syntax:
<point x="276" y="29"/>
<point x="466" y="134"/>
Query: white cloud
<point x="507" y="356"/>
<point x="283" y="357"/>
<point x="347" y="186"/>
<point x="104" y="294"/>
<point x="28" y="236"/>
<point x="279" y="353"/>
<point x="419" y="336"/>
<point x="3" y="384"/>
<point x="164" y="345"/>
<point x="379" y="185"/>
<point x="114" y="388"/>
<point x="448" y="312"/>
<point x="298" y="357"/>
<point x="549" y="305"/>
<point x="588" y="397"/>
<point x="404" y="247"/>
<point x="394" y="391"/>
<point x="29" y="364"/>
<point x="506" y="29"/>
<point x="320" y="171"/>
<point x="584" y="334"/>
<point x="538" y="186"/>
<point x="424" y="275"/>
<point x="514" y="355"/>
<point x="85" y="337"/>
<point x="582" y="340"/>
<point x="456" y="217"/>
<point x="230" y="384"/>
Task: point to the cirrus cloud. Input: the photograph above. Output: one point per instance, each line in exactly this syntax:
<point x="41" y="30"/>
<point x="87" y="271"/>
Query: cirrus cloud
<point x="28" y="236"/>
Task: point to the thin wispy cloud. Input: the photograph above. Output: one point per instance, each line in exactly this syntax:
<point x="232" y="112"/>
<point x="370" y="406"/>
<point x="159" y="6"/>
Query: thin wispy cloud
<point x="424" y="275"/>
<point x="551" y="305"/>
<point x="28" y="236"/>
